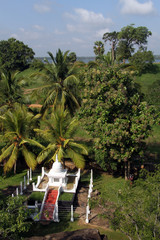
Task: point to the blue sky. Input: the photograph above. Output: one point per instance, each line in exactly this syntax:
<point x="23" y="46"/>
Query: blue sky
<point x="46" y="25"/>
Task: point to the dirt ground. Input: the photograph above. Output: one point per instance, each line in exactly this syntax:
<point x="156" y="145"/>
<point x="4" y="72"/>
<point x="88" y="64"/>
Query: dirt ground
<point x="96" y="217"/>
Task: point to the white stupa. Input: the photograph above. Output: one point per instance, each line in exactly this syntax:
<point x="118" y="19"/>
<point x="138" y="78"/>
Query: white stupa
<point x="57" y="175"/>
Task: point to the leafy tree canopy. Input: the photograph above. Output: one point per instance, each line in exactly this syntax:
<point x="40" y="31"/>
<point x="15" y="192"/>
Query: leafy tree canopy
<point x="13" y="220"/>
<point x="72" y="57"/>
<point x="10" y="88"/>
<point x="98" y="48"/>
<point x="114" y="115"/>
<point x="113" y="38"/>
<point x="142" y="60"/>
<point x="15" y="55"/>
<point x="137" y="213"/>
<point x="129" y="37"/>
<point x="124" y="42"/>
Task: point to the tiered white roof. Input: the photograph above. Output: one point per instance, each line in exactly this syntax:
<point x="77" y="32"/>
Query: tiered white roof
<point x="57" y="169"/>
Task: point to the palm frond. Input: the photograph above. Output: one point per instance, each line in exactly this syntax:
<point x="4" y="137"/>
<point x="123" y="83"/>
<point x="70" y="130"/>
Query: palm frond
<point x="32" y="142"/>
<point x="70" y="81"/>
<point x="51" y="56"/>
<point x="79" y="147"/>
<point x="30" y="158"/>
<point x="48" y="134"/>
<point x="45" y="152"/>
<point x="11" y="161"/>
<point x="60" y="153"/>
<point x="65" y="55"/>
<point x="6" y="152"/>
<point x="72" y="128"/>
<point x="77" y="158"/>
<point x="66" y="142"/>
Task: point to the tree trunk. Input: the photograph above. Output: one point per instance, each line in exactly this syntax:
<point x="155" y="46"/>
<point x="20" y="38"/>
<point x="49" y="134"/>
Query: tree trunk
<point x="113" y="52"/>
<point x="126" y="170"/>
<point x="15" y="166"/>
<point x="129" y="169"/>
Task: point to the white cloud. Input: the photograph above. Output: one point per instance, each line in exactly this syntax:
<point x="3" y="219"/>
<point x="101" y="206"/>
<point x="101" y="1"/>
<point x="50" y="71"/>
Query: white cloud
<point x="77" y="40"/>
<point x="21" y="29"/>
<point x="57" y="32"/>
<point x="101" y="32"/>
<point x="71" y="28"/>
<point x="38" y="27"/>
<point x="87" y="21"/>
<point x="135" y="7"/>
<point x="14" y="35"/>
<point x="25" y="35"/>
<point x="91" y="17"/>
<point x="42" y="8"/>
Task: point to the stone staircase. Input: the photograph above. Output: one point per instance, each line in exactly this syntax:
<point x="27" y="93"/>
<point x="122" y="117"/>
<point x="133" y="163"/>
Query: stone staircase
<point x="47" y="212"/>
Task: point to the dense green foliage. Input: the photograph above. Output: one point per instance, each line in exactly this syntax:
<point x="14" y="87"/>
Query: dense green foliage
<point x="10" y="88"/>
<point x="60" y="83"/>
<point x="15" y="55"/>
<point x="72" y="58"/>
<point x="112" y="112"/>
<point x="17" y="135"/>
<point x="59" y="130"/>
<point x="138" y="213"/>
<point x="153" y="96"/>
<point x="124" y="43"/>
<point x="13" y="220"/>
<point x="98" y="49"/>
<point x="142" y="60"/>
<point x="129" y="37"/>
<point x="113" y="38"/>
<point x="114" y="115"/>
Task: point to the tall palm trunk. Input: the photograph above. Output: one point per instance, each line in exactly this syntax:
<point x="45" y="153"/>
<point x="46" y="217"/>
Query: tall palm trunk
<point x="15" y="167"/>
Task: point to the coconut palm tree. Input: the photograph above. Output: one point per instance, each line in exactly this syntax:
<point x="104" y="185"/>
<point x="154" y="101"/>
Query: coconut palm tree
<point x="99" y="48"/>
<point x="10" y="88"/>
<point x="61" y="83"/>
<point x="60" y="132"/>
<point x="17" y="125"/>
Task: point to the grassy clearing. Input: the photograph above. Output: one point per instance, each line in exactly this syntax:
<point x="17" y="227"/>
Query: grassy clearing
<point x="153" y="142"/>
<point x="11" y="180"/>
<point x="108" y="186"/>
<point x="36" y="196"/>
<point x="146" y="79"/>
<point x="65" y="196"/>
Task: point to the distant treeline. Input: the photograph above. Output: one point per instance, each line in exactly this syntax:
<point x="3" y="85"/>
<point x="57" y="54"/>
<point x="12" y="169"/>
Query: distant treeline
<point x="88" y="59"/>
<point x="83" y="59"/>
<point x="157" y="57"/>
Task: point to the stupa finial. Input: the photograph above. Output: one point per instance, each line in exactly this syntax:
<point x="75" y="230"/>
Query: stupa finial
<point x="56" y="158"/>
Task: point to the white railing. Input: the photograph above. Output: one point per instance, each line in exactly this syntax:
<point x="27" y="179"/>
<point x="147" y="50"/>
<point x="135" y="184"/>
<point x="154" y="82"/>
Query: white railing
<point x="77" y="177"/>
<point x="55" y="212"/>
<point x="39" y="179"/>
<point x="43" y="202"/>
<point x="89" y="195"/>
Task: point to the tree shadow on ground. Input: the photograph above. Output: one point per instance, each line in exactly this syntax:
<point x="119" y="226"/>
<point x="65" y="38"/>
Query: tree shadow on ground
<point x="45" y="228"/>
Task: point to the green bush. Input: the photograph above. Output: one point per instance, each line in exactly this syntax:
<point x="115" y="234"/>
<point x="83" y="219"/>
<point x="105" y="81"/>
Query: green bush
<point x="66" y="197"/>
<point x="36" y="196"/>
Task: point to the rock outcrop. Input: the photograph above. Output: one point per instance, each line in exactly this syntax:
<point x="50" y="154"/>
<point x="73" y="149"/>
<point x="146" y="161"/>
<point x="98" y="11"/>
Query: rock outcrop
<point x="84" y="234"/>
